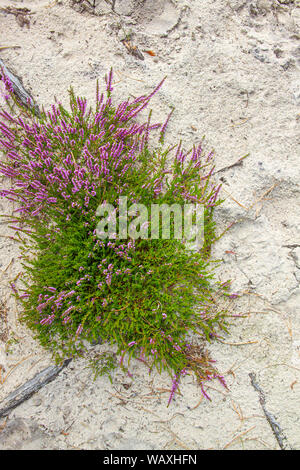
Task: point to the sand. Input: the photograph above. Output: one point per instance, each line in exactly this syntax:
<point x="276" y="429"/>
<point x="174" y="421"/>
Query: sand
<point x="232" y="71"/>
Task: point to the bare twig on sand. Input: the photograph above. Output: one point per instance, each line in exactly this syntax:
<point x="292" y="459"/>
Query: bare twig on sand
<point x="276" y="429"/>
<point x="22" y="95"/>
<point x="21" y="15"/>
<point x="237" y="163"/>
<point x="32" y="386"/>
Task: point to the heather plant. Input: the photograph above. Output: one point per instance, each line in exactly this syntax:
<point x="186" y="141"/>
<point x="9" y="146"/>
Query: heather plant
<point x="147" y="297"/>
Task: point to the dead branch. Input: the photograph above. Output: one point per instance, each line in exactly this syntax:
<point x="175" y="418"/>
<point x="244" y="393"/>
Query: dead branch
<point x="30" y="387"/>
<point x="276" y="429"/>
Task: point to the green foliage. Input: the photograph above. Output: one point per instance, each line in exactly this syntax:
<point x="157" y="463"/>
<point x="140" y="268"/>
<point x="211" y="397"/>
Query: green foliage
<point x="145" y="296"/>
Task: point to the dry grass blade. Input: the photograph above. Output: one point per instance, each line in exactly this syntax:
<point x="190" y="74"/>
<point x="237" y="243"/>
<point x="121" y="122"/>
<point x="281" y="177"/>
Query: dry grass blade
<point x="237" y="344"/>
<point x="13" y="368"/>
<point x="2" y="48"/>
<point x="238" y="437"/>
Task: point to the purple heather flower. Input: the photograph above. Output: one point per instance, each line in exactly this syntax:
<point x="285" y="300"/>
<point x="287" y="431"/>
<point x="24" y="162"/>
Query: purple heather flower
<point x="48" y="320"/>
<point x="204" y="393"/>
<point x="233" y="296"/>
<point x="79" y="330"/>
<point x="66" y="312"/>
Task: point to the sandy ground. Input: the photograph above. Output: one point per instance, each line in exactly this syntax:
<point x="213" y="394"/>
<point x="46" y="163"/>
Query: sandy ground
<point x="233" y="75"/>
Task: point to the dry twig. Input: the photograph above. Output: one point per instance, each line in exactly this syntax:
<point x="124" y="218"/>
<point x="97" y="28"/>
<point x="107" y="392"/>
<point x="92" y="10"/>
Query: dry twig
<point x="276" y="429"/>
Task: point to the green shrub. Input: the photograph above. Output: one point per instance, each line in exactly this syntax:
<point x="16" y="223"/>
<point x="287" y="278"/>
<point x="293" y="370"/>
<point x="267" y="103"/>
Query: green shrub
<point x="145" y="296"/>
